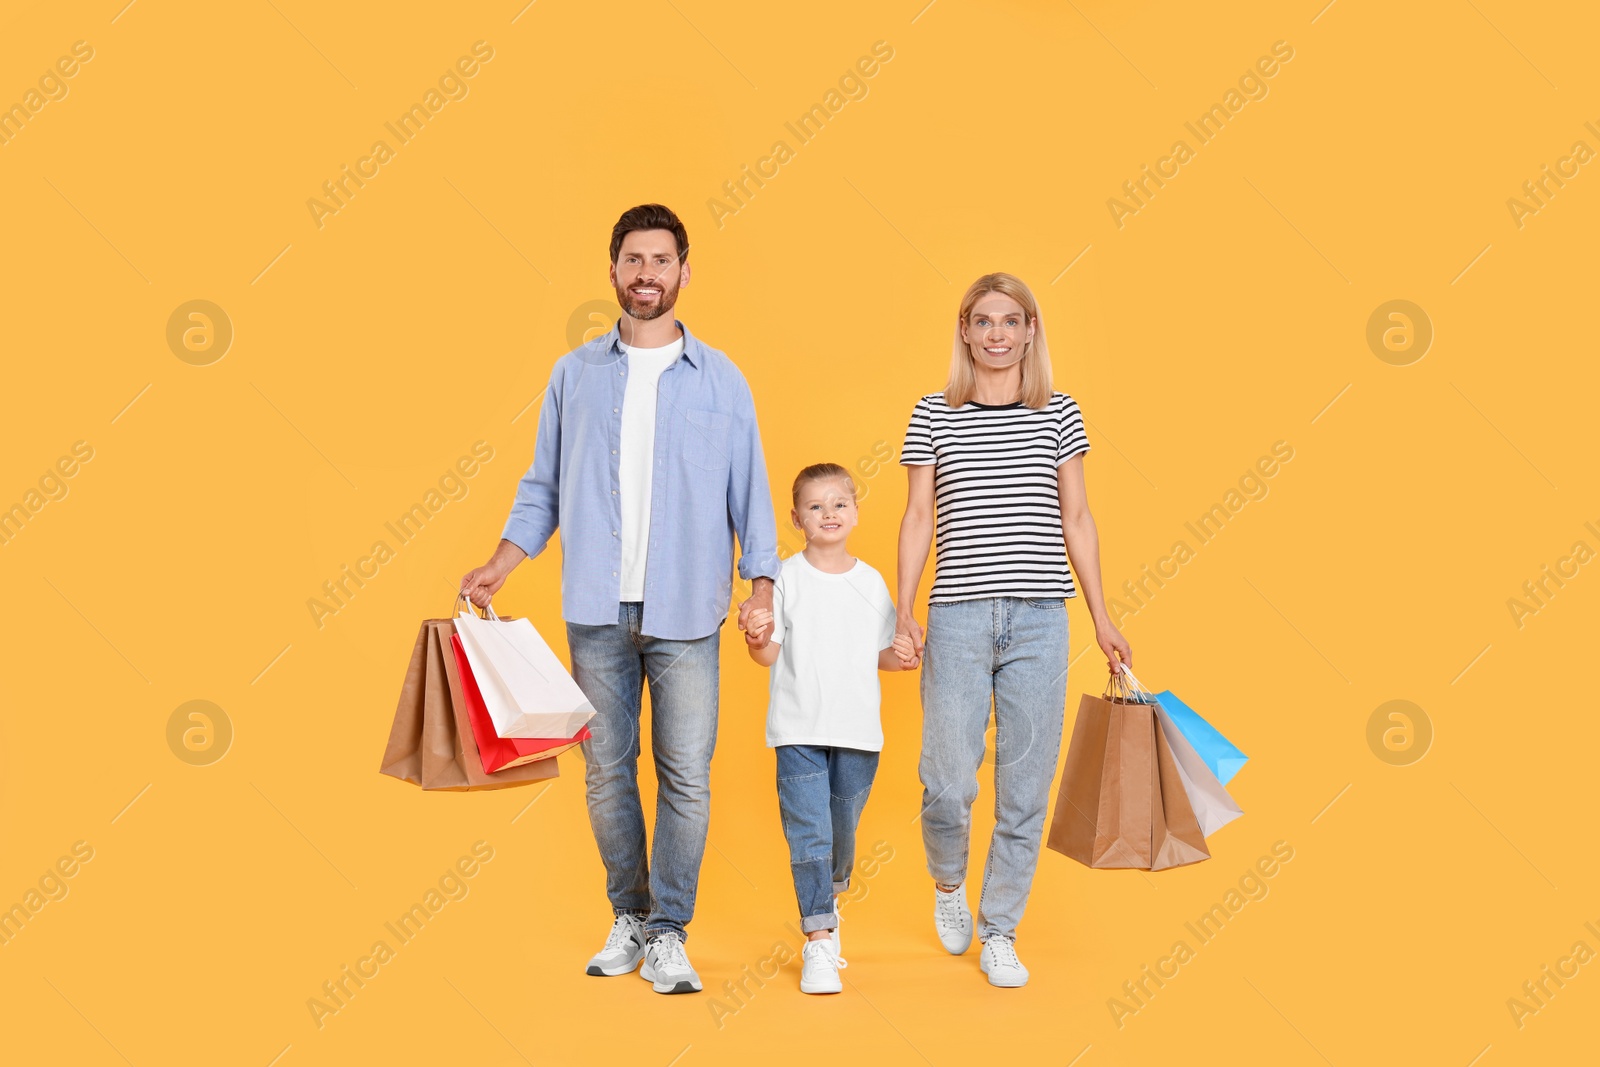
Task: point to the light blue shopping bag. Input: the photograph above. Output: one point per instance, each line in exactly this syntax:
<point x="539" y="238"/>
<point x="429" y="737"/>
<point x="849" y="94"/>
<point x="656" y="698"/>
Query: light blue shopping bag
<point x="1220" y="754"/>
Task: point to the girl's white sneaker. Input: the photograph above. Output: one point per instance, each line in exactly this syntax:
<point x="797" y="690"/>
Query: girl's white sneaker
<point x="820" y="967"/>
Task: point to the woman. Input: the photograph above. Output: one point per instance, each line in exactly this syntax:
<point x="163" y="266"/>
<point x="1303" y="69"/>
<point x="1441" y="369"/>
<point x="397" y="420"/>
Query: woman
<point x="1001" y="455"/>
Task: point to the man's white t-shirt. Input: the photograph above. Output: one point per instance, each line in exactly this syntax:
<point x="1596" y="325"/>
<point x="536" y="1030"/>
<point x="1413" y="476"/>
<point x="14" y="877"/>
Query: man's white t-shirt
<point x="635" y="458"/>
<point x="825" y="682"/>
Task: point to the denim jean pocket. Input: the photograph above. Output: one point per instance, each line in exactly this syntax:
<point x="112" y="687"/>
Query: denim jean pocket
<point x="1045" y="603"/>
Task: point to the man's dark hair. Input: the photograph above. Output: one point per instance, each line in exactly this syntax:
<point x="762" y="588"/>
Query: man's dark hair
<point x="650" y="217"/>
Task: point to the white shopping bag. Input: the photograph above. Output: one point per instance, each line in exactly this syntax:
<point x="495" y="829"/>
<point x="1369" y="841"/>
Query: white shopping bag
<point x="1213" y="807"/>
<point x="526" y="690"/>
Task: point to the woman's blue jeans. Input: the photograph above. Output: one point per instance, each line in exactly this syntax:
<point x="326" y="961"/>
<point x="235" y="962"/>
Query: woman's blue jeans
<point x="1011" y="653"/>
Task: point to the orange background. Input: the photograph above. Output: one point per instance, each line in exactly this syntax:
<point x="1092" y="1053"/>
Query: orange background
<point x="1228" y="313"/>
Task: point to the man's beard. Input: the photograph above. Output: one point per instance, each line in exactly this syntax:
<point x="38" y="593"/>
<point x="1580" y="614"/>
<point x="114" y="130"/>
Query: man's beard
<point x="645" y="312"/>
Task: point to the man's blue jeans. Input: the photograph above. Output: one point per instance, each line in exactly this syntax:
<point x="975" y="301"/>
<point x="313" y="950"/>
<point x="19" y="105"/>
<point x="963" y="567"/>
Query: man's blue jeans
<point x="821" y="792"/>
<point x="611" y="664"/>
<point x="1009" y="653"/>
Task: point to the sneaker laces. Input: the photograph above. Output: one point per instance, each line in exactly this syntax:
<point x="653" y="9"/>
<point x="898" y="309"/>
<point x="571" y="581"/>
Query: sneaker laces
<point x="670" y="953"/>
<point x="1004" y="951"/>
<point x="951" y="911"/>
<point x="839" y="962"/>
<point x="621" y="932"/>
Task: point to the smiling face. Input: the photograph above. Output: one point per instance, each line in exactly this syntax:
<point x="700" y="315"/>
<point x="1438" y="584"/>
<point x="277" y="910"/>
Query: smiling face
<point x="648" y="274"/>
<point x="996" y="331"/>
<point x="825" y="511"/>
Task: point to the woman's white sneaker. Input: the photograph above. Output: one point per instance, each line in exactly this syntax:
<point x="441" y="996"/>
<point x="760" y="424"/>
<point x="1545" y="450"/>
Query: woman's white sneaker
<point x="666" y="966"/>
<point x="820" y="967"/>
<point x="952" y="920"/>
<point x="999" y="961"/>
<point x="624" y="948"/>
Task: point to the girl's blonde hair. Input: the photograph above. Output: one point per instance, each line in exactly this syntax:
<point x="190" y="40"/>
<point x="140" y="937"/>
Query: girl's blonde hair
<point x="817" y="472"/>
<point x="1036" y="383"/>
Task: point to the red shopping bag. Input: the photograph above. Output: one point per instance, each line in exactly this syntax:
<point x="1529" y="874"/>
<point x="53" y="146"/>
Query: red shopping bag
<point x="498" y="752"/>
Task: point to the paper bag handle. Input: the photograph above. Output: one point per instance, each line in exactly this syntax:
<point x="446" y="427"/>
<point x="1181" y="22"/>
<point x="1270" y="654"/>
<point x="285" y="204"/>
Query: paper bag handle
<point x="1126" y="687"/>
<point x="1138" y="686"/>
<point x="471" y="608"/>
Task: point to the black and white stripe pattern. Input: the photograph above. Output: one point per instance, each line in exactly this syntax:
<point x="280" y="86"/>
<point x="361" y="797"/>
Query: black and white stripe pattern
<point x="997" y="506"/>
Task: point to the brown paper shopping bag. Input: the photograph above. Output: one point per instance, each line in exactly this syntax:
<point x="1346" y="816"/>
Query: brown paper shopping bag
<point x="1121" y="801"/>
<point x="1102" y="816"/>
<point x="402" y="757"/>
<point x="431" y="741"/>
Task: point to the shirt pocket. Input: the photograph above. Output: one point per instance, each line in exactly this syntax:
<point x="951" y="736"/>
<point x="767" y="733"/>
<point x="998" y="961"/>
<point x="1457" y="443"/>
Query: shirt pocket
<point x="705" y="438"/>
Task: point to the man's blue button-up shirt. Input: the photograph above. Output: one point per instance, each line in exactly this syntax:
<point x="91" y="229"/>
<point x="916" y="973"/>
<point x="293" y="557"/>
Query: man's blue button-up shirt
<point x="708" y="483"/>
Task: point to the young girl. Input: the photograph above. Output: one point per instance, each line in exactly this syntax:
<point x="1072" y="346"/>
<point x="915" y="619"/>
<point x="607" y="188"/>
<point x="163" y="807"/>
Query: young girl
<point x="832" y="628"/>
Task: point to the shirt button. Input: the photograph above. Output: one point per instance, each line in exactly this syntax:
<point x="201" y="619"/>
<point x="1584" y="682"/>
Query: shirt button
<point x="613" y="574"/>
<point x="613" y="533"/>
<point x="613" y="451"/>
<point x="615" y="410"/>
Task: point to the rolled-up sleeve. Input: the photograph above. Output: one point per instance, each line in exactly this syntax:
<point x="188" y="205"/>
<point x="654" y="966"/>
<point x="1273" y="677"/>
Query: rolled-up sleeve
<point x="749" y="497"/>
<point x="536" y="512"/>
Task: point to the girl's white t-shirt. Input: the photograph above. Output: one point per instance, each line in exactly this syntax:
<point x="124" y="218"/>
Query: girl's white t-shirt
<point x="825" y="682"/>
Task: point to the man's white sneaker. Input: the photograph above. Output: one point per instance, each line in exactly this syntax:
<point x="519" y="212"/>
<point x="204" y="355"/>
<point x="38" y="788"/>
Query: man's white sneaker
<point x="624" y="948"/>
<point x="999" y="961"/>
<point x="952" y="919"/>
<point x="820" y="966"/>
<point x="666" y="966"/>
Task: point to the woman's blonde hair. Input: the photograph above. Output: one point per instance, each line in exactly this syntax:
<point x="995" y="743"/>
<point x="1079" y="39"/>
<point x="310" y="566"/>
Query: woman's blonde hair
<point x="1036" y="384"/>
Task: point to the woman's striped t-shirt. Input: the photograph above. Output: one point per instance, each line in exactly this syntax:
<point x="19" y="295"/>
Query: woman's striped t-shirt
<point x="997" y="504"/>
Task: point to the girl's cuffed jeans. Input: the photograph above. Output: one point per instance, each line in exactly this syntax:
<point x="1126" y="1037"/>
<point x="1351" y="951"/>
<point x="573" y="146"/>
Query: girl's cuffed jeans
<point x="821" y="792"/>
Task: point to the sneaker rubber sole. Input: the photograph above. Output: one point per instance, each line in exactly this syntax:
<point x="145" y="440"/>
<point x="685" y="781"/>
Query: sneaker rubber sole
<point x="683" y="985"/>
<point x="615" y="969"/>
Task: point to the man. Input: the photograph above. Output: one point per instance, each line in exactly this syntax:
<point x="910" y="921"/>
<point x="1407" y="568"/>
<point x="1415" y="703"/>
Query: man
<point x="648" y="460"/>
